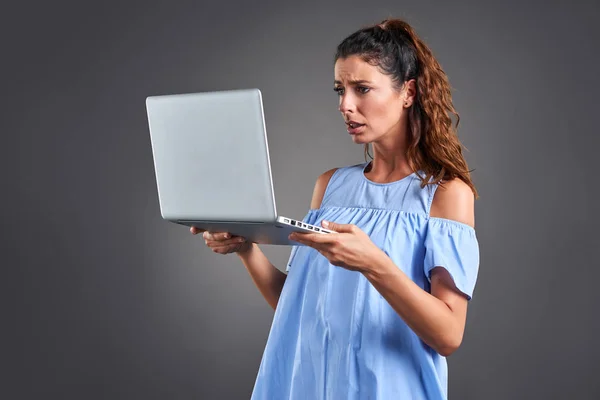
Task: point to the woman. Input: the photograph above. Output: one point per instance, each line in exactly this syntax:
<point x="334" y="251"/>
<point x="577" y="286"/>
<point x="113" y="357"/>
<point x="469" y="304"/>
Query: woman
<point x="371" y="311"/>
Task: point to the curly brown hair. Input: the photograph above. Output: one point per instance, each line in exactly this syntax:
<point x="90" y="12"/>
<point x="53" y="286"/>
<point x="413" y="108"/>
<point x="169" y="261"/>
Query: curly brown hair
<point x="434" y="147"/>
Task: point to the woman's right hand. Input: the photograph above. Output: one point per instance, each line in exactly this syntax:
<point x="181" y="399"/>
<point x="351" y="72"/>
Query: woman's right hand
<point x="223" y="242"/>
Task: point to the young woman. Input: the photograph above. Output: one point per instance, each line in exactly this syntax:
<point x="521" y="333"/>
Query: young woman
<point x="371" y="312"/>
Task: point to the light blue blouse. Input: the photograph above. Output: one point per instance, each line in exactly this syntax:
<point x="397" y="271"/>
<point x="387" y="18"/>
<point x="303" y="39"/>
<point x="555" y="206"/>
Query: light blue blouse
<point x="333" y="335"/>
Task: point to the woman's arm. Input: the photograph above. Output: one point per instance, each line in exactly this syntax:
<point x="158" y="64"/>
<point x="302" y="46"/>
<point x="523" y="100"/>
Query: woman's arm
<point x="268" y="279"/>
<point x="438" y="318"/>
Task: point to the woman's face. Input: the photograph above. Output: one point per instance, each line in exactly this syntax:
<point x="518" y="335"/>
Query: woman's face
<point x="371" y="107"/>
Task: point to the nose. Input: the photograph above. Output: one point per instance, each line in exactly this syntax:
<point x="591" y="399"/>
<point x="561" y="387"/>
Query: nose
<point x="347" y="104"/>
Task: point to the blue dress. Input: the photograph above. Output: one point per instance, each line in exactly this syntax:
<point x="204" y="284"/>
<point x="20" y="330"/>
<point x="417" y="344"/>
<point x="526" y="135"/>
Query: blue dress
<point x="333" y="335"/>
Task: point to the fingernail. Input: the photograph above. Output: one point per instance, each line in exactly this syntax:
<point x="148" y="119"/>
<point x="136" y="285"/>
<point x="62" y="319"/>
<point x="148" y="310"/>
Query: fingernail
<point x="325" y="223"/>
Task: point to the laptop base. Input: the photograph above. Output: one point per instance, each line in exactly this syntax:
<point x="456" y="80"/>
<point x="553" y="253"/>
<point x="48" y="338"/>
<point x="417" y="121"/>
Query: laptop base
<point x="275" y="233"/>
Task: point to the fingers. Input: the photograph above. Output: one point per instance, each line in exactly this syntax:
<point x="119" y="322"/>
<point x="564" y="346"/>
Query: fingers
<point x="210" y="235"/>
<point x="216" y="235"/>
<point x="221" y="242"/>
<point x="306" y="238"/>
<point x="348" y="228"/>
<point x="224" y="242"/>
<point x="194" y="230"/>
<point x="227" y="249"/>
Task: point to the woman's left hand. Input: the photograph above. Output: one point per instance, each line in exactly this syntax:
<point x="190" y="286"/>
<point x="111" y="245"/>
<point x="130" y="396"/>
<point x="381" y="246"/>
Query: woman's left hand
<point x="349" y="247"/>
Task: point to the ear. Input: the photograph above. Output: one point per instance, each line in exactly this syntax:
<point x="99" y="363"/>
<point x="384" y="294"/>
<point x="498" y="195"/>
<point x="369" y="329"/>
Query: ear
<point x="409" y="93"/>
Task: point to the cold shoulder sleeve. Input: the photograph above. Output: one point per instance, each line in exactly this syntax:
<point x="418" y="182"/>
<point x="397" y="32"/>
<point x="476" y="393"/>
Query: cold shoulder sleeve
<point x="453" y="246"/>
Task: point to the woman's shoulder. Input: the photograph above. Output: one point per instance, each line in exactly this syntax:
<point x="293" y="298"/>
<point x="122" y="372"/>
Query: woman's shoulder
<point x="454" y="200"/>
<point x="320" y="186"/>
<point x="324" y="179"/>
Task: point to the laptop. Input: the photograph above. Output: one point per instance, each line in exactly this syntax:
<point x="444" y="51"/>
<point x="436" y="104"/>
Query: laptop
<point x="211" y="160"/>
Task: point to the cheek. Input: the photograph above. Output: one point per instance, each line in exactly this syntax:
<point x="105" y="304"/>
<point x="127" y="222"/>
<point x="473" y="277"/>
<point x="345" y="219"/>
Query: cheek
<point x="381" y="115"/>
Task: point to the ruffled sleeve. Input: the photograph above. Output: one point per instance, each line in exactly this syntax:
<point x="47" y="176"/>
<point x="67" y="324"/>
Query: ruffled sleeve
<point x="453" y="246"/>
<point x="311" y="218"/>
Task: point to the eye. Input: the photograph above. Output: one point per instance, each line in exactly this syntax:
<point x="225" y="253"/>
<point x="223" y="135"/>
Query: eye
<point x="338" y="90"/>
<point x="363" y="89"/>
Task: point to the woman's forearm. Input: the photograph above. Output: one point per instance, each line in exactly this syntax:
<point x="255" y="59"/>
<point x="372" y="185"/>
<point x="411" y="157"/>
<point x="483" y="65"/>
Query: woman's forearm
<point x="429" y="317"/>
<point x="267" y="278"/>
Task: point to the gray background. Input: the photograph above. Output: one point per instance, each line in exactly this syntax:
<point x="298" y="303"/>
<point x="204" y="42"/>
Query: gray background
<point x="101" y="299"/>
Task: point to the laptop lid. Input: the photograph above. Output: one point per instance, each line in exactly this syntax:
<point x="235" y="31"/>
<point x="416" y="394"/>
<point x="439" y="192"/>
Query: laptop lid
<point x="211" y="156"/>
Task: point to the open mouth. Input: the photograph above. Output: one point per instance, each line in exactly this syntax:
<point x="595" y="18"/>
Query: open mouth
<point x="354" y="125"/>
<point x="354" y="128"/>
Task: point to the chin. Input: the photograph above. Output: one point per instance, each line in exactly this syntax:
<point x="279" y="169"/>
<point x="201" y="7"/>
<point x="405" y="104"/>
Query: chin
<point x="360" y="139"/>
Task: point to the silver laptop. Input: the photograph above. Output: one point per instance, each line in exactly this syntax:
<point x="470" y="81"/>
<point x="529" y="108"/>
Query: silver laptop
<point x="211" y="161"/>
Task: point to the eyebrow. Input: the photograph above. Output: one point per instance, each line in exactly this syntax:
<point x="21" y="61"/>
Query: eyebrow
<point x="353" y="82"/>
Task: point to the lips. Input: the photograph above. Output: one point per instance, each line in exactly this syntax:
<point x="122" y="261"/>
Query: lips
<point x="353" y="124"/>
<point x="354" y="127"/>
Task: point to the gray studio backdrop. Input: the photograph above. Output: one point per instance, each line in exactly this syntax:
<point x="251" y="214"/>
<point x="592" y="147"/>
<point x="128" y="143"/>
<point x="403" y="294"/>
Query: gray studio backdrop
<point x="101" y="299"/>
